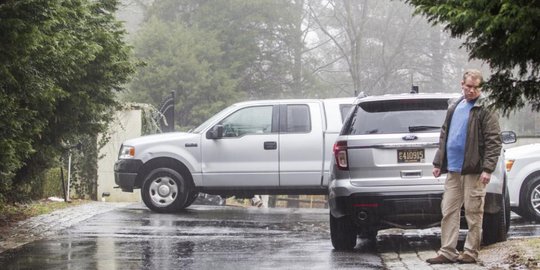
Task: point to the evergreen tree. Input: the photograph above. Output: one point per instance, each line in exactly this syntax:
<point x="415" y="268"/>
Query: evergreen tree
<point x="61" y="63"/>
<point x="187" y="61"/>
<point x="505" y="34"/>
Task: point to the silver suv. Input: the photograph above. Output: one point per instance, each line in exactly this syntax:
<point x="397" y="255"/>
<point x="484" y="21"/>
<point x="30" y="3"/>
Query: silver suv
<point x="382" y="172"/>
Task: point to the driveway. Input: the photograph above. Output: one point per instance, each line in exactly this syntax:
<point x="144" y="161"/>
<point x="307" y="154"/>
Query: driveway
<point x="120" y="236"/>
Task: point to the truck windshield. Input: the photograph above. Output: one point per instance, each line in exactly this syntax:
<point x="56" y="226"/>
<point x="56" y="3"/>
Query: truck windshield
<point x="212" y="119"/>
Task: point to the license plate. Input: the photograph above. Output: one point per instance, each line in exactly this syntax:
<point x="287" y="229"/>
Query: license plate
<point x="410" y="155"/>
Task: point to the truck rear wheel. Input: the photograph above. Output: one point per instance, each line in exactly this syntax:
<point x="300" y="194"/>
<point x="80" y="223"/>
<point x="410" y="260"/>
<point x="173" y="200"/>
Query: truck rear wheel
<point x="191" y="198"/>
<point x="164" y="190"/>
<point x="342" y="233"/>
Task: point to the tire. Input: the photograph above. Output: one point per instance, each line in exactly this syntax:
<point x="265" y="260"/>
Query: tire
<point x="191" y="198"/>
<point x="519" y="211"/>
<point x="369" y="235"/>
<point x="342" y="233"/>
<point x="495" y="226"/>
<point x="530" y="206"/>
<point x="164" y="190"/>
<point x="507" y="210"/>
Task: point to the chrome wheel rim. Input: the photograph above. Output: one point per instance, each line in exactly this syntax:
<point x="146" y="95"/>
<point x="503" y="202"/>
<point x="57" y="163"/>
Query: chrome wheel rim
<point x="163" y="191"/>
<point x="535" y="199"/>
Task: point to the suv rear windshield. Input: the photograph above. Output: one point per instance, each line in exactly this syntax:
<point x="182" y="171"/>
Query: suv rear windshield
<point x="396" y="116"/>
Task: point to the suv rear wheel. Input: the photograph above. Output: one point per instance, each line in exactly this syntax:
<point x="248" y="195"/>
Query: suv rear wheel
<point x="343" y="233"/>
<point x="495" y="226"/>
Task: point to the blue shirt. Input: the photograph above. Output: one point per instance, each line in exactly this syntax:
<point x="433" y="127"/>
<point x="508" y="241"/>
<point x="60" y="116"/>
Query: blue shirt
<point x="457" y="136"/>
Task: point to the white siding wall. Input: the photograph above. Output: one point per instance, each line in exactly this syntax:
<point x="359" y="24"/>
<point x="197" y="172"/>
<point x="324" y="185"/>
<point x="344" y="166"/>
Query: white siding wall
<point x="127" y="125"/>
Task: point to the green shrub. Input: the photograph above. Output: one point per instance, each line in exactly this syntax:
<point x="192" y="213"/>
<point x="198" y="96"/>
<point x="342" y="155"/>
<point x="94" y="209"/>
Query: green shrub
<point x="52" y="183"/>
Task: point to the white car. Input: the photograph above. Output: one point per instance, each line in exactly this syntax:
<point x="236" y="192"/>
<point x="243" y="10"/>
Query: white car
<point x="523" y="172"/>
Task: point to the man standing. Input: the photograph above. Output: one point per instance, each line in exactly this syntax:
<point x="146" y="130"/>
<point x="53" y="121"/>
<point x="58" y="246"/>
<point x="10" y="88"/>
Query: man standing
<point x="469" y="148"/>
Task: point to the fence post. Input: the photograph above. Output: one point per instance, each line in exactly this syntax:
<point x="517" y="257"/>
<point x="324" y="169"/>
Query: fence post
<point x="173" y="96"/>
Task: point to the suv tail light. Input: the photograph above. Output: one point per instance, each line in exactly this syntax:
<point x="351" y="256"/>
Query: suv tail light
<point x="340" y="154"/>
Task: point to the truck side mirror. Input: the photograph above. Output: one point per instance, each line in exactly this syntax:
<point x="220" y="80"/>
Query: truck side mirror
<point x="508" y="137"/>
<point x="216" y="132"/>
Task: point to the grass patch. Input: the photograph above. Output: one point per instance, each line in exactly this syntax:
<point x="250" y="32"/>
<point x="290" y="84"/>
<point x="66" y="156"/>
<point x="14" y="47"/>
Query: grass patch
<point x="529" y="253"/>
<point x="522" y="253"/>
<point x="534" y="245"/>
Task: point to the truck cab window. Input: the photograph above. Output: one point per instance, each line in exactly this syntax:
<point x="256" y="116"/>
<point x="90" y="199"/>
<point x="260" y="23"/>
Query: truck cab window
<point x="252" y="120"/>
<point x="298" y="119"/>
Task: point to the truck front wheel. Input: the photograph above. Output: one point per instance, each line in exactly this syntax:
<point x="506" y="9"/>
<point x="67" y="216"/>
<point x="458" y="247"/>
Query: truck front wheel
<point x="164" y="190"/>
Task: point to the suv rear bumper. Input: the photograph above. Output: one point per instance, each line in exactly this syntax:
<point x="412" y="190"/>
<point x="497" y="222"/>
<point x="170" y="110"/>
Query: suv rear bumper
<point x="125" y="173"/>
<point x="392" y="209"/>
<point x="419" y="208"/>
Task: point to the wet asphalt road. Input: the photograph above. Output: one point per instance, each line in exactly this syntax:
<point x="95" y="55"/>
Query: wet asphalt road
<point x="208" y="237"/>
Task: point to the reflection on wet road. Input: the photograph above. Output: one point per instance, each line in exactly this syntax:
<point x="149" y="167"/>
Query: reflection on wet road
<point x="203" y="237"/>
<point x="206" y="237"/>
<point x="520" y="228"/>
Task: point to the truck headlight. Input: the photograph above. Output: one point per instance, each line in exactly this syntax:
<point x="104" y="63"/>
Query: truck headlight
<point x="126" y="152"/>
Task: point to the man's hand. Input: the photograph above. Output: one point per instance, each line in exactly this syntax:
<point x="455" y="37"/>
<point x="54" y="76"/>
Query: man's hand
<point x="436" y="172"/>
<point x="485" y="177"/>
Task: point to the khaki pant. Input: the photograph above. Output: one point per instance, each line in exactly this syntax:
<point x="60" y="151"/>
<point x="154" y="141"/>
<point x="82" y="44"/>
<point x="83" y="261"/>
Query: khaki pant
<point x="462" y="190"/>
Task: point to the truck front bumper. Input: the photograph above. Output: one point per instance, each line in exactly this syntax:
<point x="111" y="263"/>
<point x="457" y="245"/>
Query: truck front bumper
<point x="125" y="173"/>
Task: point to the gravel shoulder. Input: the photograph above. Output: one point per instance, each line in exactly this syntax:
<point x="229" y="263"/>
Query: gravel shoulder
<point x="38" y="227"/>
<point x="523" y="253"/>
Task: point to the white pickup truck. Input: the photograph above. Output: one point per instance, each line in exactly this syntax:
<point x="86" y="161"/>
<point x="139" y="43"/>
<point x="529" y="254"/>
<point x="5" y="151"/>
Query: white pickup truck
<point x="254" y="147"/>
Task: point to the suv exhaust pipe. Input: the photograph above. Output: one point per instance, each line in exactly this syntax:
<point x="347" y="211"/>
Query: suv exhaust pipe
<point x="362" y="215"/>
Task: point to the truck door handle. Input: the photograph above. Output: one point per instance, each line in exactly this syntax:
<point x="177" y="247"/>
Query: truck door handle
<point x="270" y="145"/>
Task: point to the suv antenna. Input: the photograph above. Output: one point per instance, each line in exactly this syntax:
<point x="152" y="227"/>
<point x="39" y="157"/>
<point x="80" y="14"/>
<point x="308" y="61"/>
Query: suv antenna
<point x="414" y="88"/>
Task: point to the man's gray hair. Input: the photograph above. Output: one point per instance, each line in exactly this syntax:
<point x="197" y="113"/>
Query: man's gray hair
<point x="473" y="73"/>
